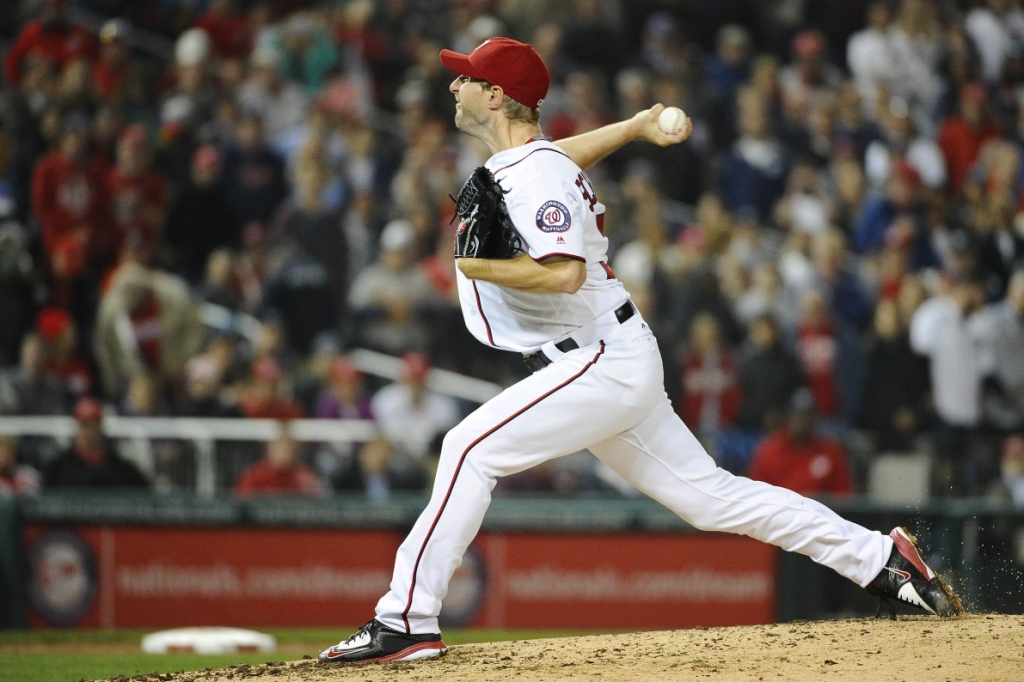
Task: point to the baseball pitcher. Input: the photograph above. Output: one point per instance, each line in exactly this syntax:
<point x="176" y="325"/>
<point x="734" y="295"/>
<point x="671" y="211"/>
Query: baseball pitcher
<point x="533" y="278"/>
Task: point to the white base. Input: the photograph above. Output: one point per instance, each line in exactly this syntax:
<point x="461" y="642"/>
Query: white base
<point x="209" y="640"/>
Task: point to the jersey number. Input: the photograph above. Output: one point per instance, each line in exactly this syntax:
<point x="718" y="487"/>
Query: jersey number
<point x="587" y="188"/>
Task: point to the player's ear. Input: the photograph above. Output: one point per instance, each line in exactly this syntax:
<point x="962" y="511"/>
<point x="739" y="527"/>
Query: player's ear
<point x="495" y="97"/>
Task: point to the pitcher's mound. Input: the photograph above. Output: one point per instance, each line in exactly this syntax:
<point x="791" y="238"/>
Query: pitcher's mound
<point x="913" y="649"/>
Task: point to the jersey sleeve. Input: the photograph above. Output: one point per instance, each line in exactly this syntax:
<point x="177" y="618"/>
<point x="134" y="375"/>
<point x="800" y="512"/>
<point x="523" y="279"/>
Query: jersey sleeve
<point x="548" y="214"/>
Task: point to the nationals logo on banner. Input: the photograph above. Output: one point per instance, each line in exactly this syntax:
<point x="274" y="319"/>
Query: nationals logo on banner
<point x="63" y="577"/>
<point x="553" y="216"/>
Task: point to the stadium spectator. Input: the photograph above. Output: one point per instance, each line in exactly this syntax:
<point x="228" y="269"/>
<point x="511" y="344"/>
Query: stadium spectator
<point x="15" y="479"/>
<point x="204" y="391"/>
<point x="138" y="197"/>
<point x="729" y="67"/>
<point x="817" y="347"/>
<point x="218" y="286"/>
<point x="28" y="389"/>
<point x="281" y="104"/>
<point x="711" y="395"/>
<point x="115" y="70"/>
<point x="61" y="358"/>
<point x="230" y="31"/>
<point x="346" y="398"/>
<point x="847" y="295"/>
<point x="200" y="219"/>
<point x="411" y="417"/>
<point x="266" y="396"/>
<point x="898" y="209"/>
<point x="280" y="472"/>
<point x="899" y="142"/>
<point x="940" y="330"/>
<point x="147" y="323"/>
<point x="387" y="297"/>
<point x="253" y="174"/>
<point x="769" y="375"/>
<point x="1000" y="332"/>
<point x="869" y="57"/>
<point x="753" y="173"/>
<point x="91" y="463"/>
<point x="896" y="385"/>
<point x="69" y="199"/>
<point x="962" y="135"/>
<point x="1010" y="485"/>
<point x="810" y="73"/>
<point x="992" y="25"/>
<point x="18" y="280"/>
<point x="50" y="39"/>
<point x="796" y="457"/>
<point x="917" y="51"/>
<point x="1001" y="248"/>
<point x="311" y="232"/>
<point x="306" y="51"/>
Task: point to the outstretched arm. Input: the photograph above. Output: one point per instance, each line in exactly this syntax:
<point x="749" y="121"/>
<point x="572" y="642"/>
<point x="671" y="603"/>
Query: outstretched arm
<point x="587" y="149"/>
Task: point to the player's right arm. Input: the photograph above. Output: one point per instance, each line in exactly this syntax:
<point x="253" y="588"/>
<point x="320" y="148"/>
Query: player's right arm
<point x="588" y="148"/>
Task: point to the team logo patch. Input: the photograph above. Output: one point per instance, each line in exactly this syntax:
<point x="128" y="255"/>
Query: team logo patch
<point x="553" y="216"/>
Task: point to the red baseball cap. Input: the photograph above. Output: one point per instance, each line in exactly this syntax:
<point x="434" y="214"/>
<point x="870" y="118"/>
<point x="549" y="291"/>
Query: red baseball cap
<point x="513" y="66"/>
<point x="52" y="322"/>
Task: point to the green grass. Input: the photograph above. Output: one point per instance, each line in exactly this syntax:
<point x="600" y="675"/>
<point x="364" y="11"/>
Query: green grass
<point x="51" y="660"/>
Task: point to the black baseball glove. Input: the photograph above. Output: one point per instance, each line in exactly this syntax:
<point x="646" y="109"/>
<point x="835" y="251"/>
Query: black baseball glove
<point x="486" y="231"/>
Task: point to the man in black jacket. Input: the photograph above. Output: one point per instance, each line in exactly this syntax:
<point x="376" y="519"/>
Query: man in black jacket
<point x="91" y="462"/>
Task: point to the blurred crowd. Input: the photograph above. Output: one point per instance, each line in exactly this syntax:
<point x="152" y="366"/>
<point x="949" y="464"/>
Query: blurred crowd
<point x="831" y="263"/>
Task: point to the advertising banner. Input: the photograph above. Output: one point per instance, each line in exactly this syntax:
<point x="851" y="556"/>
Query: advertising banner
<point x="124" y="576"/>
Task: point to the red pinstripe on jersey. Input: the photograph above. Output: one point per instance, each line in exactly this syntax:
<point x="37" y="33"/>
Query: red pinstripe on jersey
<point x="487" y="325"/>
<point x="462" y="459"/>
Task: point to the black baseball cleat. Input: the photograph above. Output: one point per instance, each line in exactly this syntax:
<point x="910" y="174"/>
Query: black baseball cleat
<point x="908" y="579"/>
<point x="376" y="642"/>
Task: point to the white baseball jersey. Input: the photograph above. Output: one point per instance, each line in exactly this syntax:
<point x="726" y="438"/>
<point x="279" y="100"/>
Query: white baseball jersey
<point x="554" y="207"/>
<point x="607" y="395"/>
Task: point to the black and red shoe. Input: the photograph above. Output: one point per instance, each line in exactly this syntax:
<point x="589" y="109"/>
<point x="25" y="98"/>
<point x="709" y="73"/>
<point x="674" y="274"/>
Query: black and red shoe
<point x="907" y="578"/>
<point x="376" y="642"/>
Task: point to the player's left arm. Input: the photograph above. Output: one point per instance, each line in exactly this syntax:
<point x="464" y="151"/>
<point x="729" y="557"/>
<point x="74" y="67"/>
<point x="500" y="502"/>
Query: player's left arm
<point x="588" y="148"/>
<point x="552" y="275"/>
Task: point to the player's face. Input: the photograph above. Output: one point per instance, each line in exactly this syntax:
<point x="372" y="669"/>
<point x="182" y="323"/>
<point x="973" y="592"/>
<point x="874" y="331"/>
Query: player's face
<point x="468" y="102"/>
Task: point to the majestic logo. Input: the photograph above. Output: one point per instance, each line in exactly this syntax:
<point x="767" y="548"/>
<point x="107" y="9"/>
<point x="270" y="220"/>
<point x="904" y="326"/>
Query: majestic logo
<point x="559" y="241"/>
<point x="553" y="216"/>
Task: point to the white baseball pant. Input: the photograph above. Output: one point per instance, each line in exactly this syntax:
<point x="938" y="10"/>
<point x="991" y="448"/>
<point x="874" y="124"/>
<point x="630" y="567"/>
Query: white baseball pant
<point x="607" y="396"/>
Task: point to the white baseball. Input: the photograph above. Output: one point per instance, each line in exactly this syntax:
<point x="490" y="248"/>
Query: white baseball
<point x="671" y="120"/>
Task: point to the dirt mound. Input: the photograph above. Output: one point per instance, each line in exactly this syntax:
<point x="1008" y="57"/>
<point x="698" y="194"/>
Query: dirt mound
<point x="970" y="649"/>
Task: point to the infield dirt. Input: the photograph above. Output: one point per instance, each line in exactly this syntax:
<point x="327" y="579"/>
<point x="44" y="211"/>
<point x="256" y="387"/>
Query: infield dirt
<point x="925" y="649"/>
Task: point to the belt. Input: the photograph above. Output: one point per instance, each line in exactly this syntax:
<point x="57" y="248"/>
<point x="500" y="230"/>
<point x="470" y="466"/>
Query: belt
<point x="538" y="361"/>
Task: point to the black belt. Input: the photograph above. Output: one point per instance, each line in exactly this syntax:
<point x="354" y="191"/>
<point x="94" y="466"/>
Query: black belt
<point x="538" y="361"/>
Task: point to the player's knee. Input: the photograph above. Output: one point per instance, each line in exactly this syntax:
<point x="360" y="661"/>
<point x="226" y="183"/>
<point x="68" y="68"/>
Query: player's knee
<point x="454" y="444"/>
